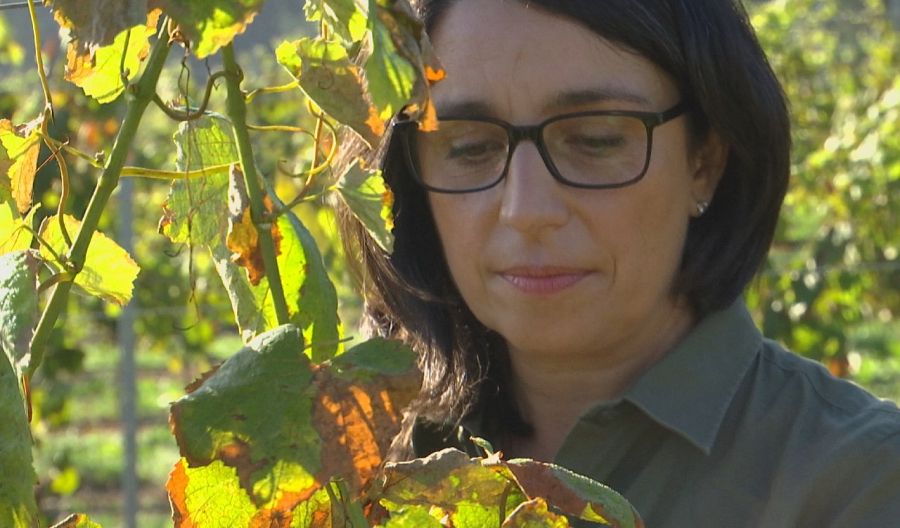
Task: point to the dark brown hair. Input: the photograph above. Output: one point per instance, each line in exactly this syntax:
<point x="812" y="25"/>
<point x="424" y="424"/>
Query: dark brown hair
<point x="710" y="50"/>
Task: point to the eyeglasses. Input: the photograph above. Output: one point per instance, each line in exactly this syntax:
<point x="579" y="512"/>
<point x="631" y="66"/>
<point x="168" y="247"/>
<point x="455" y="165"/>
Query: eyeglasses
<point x="594" y="150"/>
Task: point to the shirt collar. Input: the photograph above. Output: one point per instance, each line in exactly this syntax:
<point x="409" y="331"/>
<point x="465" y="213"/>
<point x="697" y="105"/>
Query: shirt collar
<point x="691" y="388"/>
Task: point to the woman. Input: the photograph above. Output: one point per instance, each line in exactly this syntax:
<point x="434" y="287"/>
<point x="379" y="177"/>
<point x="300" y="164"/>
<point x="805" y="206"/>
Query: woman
<point x="570" y="249"/>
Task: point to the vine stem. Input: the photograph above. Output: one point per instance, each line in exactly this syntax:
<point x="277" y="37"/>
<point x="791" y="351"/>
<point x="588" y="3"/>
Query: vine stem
<point x="237" y="112"/>
<point x="141" y="95"/>
<point x="39" y="58"/>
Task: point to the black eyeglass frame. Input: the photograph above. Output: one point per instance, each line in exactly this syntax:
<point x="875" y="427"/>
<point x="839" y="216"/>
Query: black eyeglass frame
<point x="407" y="128"/>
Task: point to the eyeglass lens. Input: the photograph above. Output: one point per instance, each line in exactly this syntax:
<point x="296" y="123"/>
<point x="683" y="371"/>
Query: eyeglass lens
<point x="592" y="150"/>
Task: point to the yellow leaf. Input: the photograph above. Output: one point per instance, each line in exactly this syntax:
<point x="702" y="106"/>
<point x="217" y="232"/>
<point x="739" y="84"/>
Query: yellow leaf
<point x="13" y="235"/>
<point x="97" y="71"/>
<point x="108" y="271"/>
<point x="22" y="145"/>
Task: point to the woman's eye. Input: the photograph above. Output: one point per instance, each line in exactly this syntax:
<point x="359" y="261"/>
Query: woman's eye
<point x="595" y="145"/>
<point x="474" y="151"/>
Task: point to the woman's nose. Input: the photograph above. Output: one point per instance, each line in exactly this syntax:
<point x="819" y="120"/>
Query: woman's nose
<point x="532" y="198"/>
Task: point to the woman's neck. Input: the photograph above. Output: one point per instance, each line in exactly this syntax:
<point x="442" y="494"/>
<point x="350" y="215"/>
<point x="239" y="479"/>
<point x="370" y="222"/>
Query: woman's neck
<point x="554" y="390"/>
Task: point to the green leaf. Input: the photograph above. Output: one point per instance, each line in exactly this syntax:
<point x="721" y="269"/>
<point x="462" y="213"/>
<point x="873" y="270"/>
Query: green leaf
<point x="309" y="292"/>
<point x="574" y="494"/>
<point x="477" y="491"/>
<point x="98" y="72"/>
<point x="275" y="428"/>
<point x="18" y="306"/>
<point x="211" y="24"/>
<point x="253" y="414"/>
<point x="449" y="479"/>
<point x="326" y="75"/>
<point x="370" y="200"/>
<point x="346" y="17"/>
<point x="375" y="356"/>
<point x="391" y="76"/>
<point x="108" y="272"/>
<point x="415" y="516"/>
<point x="18" y="312"/>
<point x="95" y="23"/>
<point x="196" y="210"/>
<point x="13" y="233"/>
<point x="208" y="496"/>
<point x="534" y="514"/>
<point x="254" y="310"/>
<point x="76" y="520"/>
<point x="22" y="144"/>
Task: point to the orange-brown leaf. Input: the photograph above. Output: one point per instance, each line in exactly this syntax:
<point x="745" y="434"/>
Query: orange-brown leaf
<point x="357" y="419"/>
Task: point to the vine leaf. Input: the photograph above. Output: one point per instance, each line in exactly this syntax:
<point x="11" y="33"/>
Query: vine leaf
<point x="97" y="71"/>
<point x="534" y="514"/>
<point x="268" y="429"/>
<point x="18" y="313"/>
<point x="242" y="237"/>
<point x="371" y="201"/>
<point x="210" y="24"/>
<point x="76" y="520"/>
<point x="19" y="309"/>
<point x="13" y="233"/>
<point x="309" y="293"/>
<point x="197" y="211"/>
<point x="21" y="146"/>
<point x="574" y="494"/>
<point x="477" y="491"/>
<point x="208" y="496"/>
<point x="333" y="82"/>
<point x="346" y="17"/>
<point x="108" y="271"/>
<point x="467" y="490"/>
<point x="96" y="23"/>
<point x="196" y="208"/>
<point x="395" y="19"/>
<point x="391" y="75"/>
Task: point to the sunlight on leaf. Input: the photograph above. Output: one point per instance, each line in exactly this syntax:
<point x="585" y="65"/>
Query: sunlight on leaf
<point x="346" y="17"/>
<point x="21" y="144"/>
<point x="390" y="74"/>
<point x="13" y="233"/>
<point x="208" y="497"/>
<point x="251" y="413"/>
<point x="76" y="520"/>
<point x="18" y="306"/>
<point x="210" y="24"/>
<point x="574" y="494"/>
<point x="308" y="290"/>
<point x="277" y="428"/>
<point x="370" y="200"/>
<point x="242" y="238"/>
<point x="98" y="72"/>
<point x="196" y="209"/>
<point x="108" y="272"/>
<point x="326" y="75"/>
<point x="18" y="314"/>
<point x="534" y="514"/>
<point x="95" y="23"/>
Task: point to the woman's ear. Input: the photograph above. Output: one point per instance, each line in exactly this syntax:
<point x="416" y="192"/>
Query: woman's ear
<point x="709" y="160"/>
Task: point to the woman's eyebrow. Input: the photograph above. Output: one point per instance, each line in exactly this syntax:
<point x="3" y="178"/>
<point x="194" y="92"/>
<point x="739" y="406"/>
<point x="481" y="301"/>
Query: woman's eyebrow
<point x="604" y="94"/>
<point x="463" y="108"/>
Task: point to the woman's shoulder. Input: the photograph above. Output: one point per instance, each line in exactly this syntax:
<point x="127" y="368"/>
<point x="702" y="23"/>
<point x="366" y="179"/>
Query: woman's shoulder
<point x="836" y="445"/>
<point x="786" y="380"/>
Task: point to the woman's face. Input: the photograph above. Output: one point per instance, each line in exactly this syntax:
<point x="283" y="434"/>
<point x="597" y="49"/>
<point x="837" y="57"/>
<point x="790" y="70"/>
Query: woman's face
<point x="553" y="268"/>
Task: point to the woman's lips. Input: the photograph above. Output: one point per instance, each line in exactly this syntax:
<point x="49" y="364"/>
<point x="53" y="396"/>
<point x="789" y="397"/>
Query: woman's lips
<point x="542" y="280"/>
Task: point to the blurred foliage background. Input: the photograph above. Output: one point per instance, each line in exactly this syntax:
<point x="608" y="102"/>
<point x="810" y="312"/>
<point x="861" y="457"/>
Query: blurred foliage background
<point x="830" y="291"/>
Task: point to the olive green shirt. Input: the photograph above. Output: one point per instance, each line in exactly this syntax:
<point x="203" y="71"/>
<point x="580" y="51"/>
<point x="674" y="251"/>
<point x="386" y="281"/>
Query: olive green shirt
<point x="730" y="430"/>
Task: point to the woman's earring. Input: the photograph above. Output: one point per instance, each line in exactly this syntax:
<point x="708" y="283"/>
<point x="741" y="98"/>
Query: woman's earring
<point x="702" y="206"/>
